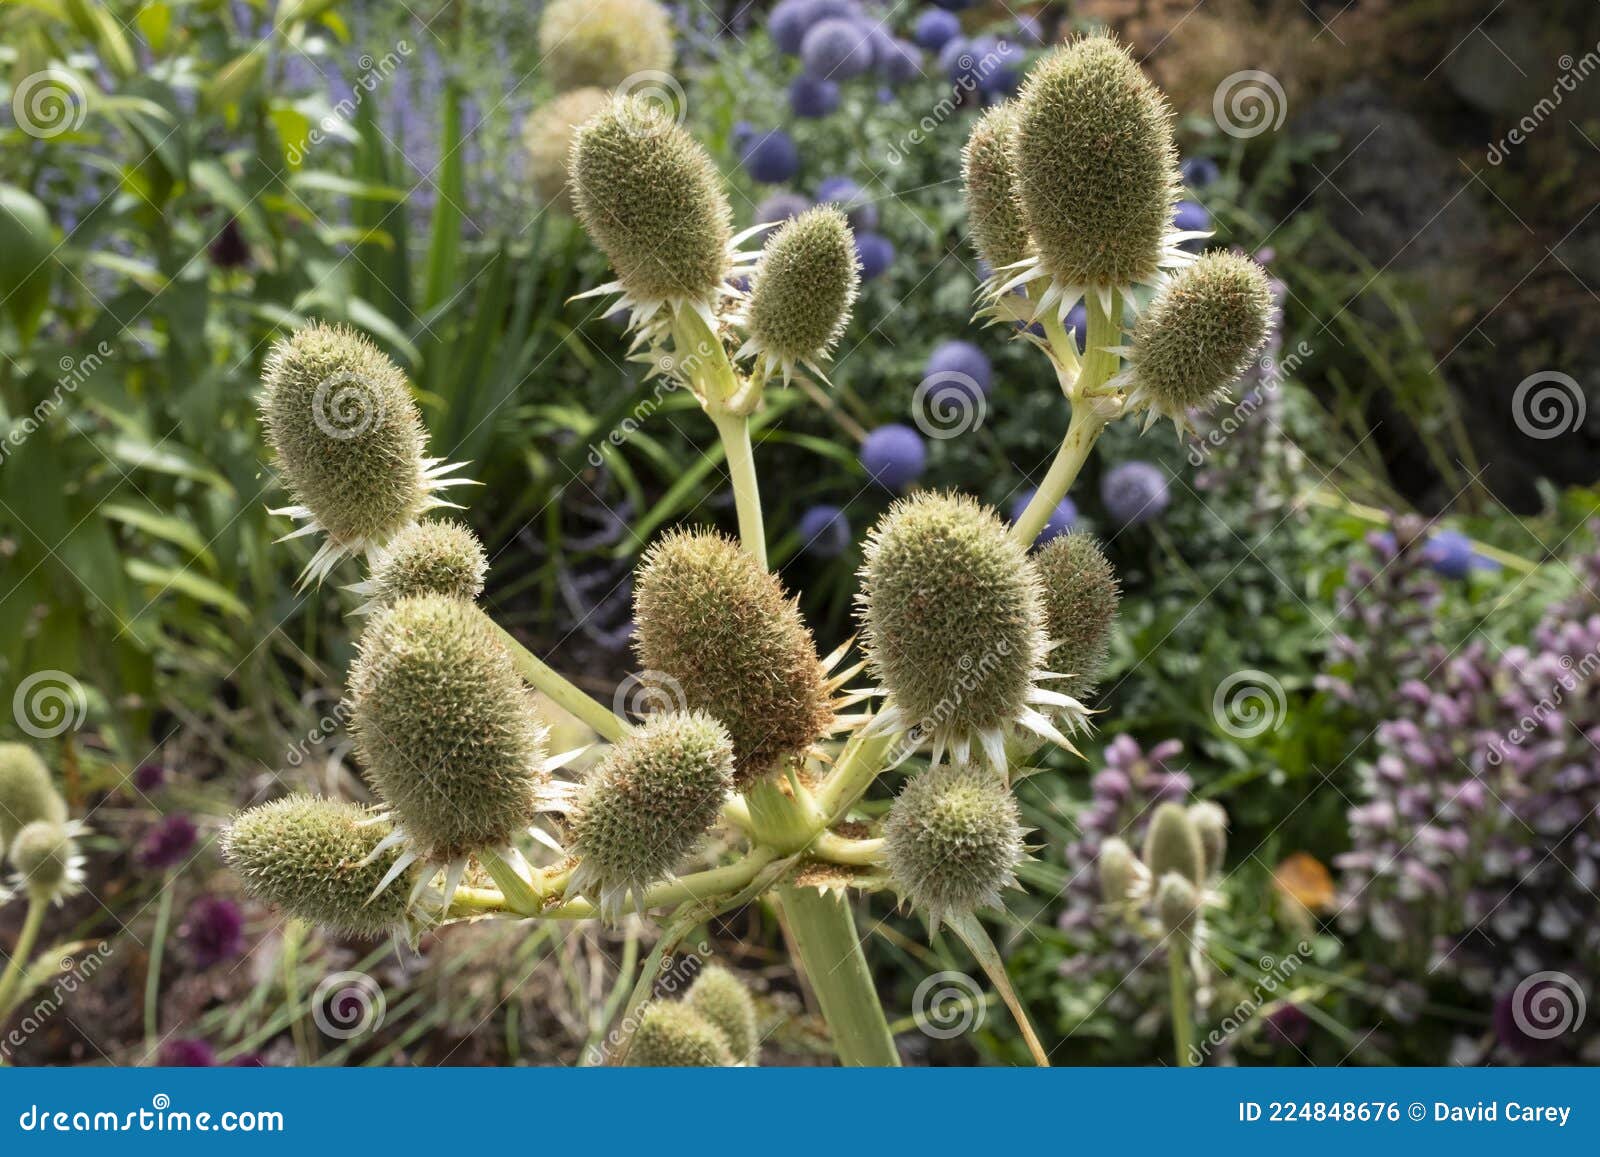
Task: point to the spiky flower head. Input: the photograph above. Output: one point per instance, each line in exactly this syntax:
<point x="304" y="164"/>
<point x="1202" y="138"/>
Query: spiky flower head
<point x="1097" y="175"/>
<point x="801" y="291"/>
<point x="987" y="166"/>
<point x="45" y="855"/>
<point x="1172" y="845"/>
<point x="1081" y="594"/>
<point x="445" y="728"/>
<point x="319" y="859"/>
<point x="427" y="558"/>
<point x="1211" y="823"/>
<point x="952" y="617"/>
<point x="1122" y="877"/>
<point x="547" y="138"/>
<point x="720" y="997"/>
<point x="1197" y="336"/>
<point x="349" y="442"/>
<point x="671" y="1034"/>
<point x="953" y="840"/>
<point x="26" y="793"/>
<point x="603" y="42"/>
<point x="716" y="632"/>
<point x="647" y="803"/>
<point x="1177" y="904"/>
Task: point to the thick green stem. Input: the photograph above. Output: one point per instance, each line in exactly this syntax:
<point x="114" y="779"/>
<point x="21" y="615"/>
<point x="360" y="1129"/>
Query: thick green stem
<point x="734" y="430"/>
<point x="11" y="979"/>
<point x="824" y="933"/>
<point x="858" y="766"/>
<point x="542" y="677"/>
<point x="1182" y="1021"/>
<point x="786" y="823"/>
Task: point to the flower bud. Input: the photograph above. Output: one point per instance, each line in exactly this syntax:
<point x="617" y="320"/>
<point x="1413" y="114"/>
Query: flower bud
<point x="428" y="558"/>
<point x="993" y="213"/>
<point x="309" y="856"/>
<point x="547" y="138"/>
<point x="716" y="633"/>
<point x="1211" y="822"/>
<point x="44" y="853"/>
<point x="953" y="840"/>
<point x="1119" y="871"/>
<point x="26" y="793"/>
<point x="724" y="1001"/>
<point x="444" y="727"/>
<point x="675" y="1035"/>
<point x="1080" y="599"/>
<point x="648" y="802"/>
<point x="603" y="42"/>
<point x="1177" y="904"/>
<point x="1173" y="845"/>
<point x="802" y="289"/>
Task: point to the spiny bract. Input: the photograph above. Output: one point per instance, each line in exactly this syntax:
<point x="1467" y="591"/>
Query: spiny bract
<point x="802" y="289"/>
<point x="428" y="558"/>
<point x="547" y="138"/>
<point x="674" y="1034"/>
<point x="649" y="196"/>
<point x="42" y="853"/>
<point x="993" y="212"/>
<point x="307" y="855"/>
<point x="603" y="42"/>
<point x="720" y="997"/>
<point x="647" y="803"/>
<point x="444" y="727"/>
<point x="716" y="632"/>
<point x="953" y="841"/>
<point x="26" y="793"/>
<point x="1173" y="845"/>
<point x="1080" y="601"/>
<point x="1097" y="170"/>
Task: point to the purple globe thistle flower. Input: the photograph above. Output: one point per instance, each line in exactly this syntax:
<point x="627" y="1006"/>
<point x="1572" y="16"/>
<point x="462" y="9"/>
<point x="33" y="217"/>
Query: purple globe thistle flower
<point x="998" y="65"/>
<point x="1135" y="492"/>
<point x="1287" y="1024"/>
<point x="958" y="62"/>
<point x="771" y="158"/>
<point x="810" y="98"/>
<point x="167" y="842"/>
<point x="935" y="27"/>
<point x="824" y="531"/>
<point x="900" y="62"/>
<point x="789" y="22"/>
<point x="876" y="254"/>
<point x="1061" y="518"/>
<point x="837" y="49"/>
<point x="1198" y="172"/>
<point x="894" y="455"/>
<point x="1030" y="29"/>
<point x="958" y="359"/>
<point x="1078" y="322"/>
<point x="187" y="1053"/>
<point x="781" y="206"/>
<point x="1190" y="215"/>
<point x="742" y="134"/>
<point x="852" y="198"/>
<point x="1450" y="553"/>
<point x="213" y="929"/>
<point x="149" y="776"/>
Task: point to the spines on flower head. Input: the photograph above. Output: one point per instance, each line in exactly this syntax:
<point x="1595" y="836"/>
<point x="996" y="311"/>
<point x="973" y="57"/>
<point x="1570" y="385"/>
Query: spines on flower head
<point x="716" y="632"/>
<point x="1211" y="824"/>
<point x="1081" y="594"/>
<point x="26" y="793"/>
<point x="724" y="1001"/>
<point x="1123" y="879"/>
<point x="349" y="442"/>
<point x="648" y="802"/>
<point x="801" y="291"/>
<point x="45" y="856"/>
<point x="1172" y="845"/>
<point x="673" y="1034"/>
<point x="602" y="43"/>
<point x="1197" y="336"/>
<point x="321" y="860"/>
<point x="1177" y="905"/>
<point x="953" y="841"/>
<point x="427" y="558"/>
<point x="547" y="138"/>
<point x="988" y="168"/>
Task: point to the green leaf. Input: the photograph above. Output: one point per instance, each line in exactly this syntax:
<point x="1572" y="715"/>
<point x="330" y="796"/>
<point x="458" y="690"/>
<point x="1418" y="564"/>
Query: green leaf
<point x="168" y="527"/>
<point x="168" y="458"/>
<point x="444" y="243"/>
<point x="186" y="582"/>
<point x="25" y="258"/>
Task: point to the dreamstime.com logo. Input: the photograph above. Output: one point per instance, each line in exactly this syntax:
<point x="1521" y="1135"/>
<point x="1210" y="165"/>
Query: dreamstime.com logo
<point x="1548" y="1004"/>
<point x="1249" y="703"/>
<point x="346" y="405"/>
<point x="948" y="404"/>
<point x="43" y="1003"/>
<point x="49" y="703"/>
<point x="49" y="103"/>
<point x="348" y="1004"/>
<point x="1249" y="103"/>
<point x="1548" y="404"/>
<point x="948" y="1004"/>
<point x="160" y="1117"/>
<point x="665" y="104"/>
<point x="646" y="692"/>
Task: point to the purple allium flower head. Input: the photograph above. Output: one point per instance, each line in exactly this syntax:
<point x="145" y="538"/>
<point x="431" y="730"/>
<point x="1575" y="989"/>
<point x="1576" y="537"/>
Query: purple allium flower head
<point x="1135" y="492"/>
<point x="781" y="206"/>
<point x="213" y="928"/>
<point x="187" y="1053"/>
<point x="167" y="842"/>
<point x="876" y="254"/>
<point x="1061" y="518"/>
<point x="1287" y="1024"/>
<point x="789" y="22"/>
<point x="853" y="200"/>
<point x="149" y="776"/>
<point x="1519" y="1029"/>
<point x="901" y="62"/>
<point x="958" y="62"/>
<point x="771" y="157"/>
<point x="1078" y="322"/>
<point x="1190" y="215"/>
<point x="935" y="27"/>
<point x="1450" y="553"/>
<point x="998" y="65"/>
<point x="894" y="455"/>
<point x="824" y="531"/>
<point x="230" y="250"/>
<point x="837" y="49"/>
<point x="812" y="98"/>
<point x="960" y="359"/>
<point x="1198" y="172"/>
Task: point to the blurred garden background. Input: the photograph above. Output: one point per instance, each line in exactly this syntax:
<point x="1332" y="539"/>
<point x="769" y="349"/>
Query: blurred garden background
<point x="1361" y="608"/>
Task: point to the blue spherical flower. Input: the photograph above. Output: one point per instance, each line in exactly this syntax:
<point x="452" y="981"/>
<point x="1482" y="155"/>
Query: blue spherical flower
<point x="1029" y="29"/>
<point x="1135" y="492"/>
<point x="960" y="360"/>
<point x="876" y="254"/>
<point x="836" y="49"/>
<point x="824" y="531"/>
<point x="956" y="61"/>
<point x="810" y="97"/>
<point x="789" y="22"/>
<point x="1198" y="172"/>
<point x="852" y="199"/>
<point x="743" y="133"/>
<point x="900" y="62"/>
<point x="1450" y="553"/>
<point x="771" y="158"/>
<point x="781" y="206"/>
<point x="1061" y="518"/>
<point x="894" y="455"/>
<point x="1078" y="323"/>
<point x="1190" y="215"/>
<point x="934" y="27"/>
<point x="998" y="65"/>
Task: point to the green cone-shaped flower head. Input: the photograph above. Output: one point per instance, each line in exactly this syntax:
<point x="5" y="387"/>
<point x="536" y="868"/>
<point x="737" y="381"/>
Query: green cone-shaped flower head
<point x="26" y="793"/>
<point x="716" y="633"/>
<point x="1080" y="600"/>
<point x="1211" y="822"/>
<point x="307" y="855"/>
<point x="1198" y="335"/>
<point x="444" y="727"/>
<point x="802" y="289"/>
<point x="720" y="997"/>
<point x="1177" y="905"/>
<point x="653" y="202"/>
<point x="674" y="1034"/>
<point x="1173" y="845"/>
<point x="44" y="854"/>
<point x="547" y="138"/>
<point x="603" y="42"/>
<point x="428" y="558"/>
<point x="1119" y="872"/>
<point x="953" y="840"/>
<point x="988" y="166"/>
<point x="647" y="803"/>
<point x="953" y="618"/>
<point x="1097" y="171"/>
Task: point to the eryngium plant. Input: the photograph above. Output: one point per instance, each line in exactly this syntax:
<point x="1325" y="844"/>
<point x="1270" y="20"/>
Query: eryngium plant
<point x="744" y="776"/>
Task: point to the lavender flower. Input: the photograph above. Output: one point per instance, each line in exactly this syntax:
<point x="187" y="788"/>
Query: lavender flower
<point x="167" y="842"/>
<point x="894" y="455"/>
<point x="1135" y="492"/>
<point x="1450" y="553"/>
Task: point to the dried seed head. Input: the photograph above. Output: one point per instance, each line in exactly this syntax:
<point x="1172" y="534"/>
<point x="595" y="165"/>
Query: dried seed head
<point x="1080" y="600"/>
<point x="716" y="632"/>
<point x="724" y="1001"/>
<point x="1211" y="822"/>
<point x="1119" y="871"/>
<point x="43" y="852"/>
<point x="993" y="212"/>
<point x="603" y="42"/>
<point x="444" y="727"/>
<point x="1177" y="905"/>
<point x="429" y="558"/>
<point x="1173" y="845"/>
<point x="307" y="855"/>
<point x="1097" y="171"/>
<point x="547" y="137"/>
<point x="953" y="840"/>
<point x="803" y="287"/>
<point x="675" y="1035"/>
<point x="26" y="793"/>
